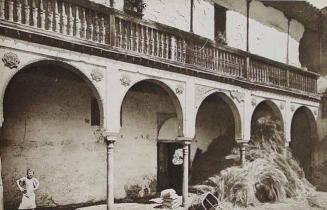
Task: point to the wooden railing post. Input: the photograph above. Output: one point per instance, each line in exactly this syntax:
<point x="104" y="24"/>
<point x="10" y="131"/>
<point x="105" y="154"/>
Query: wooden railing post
<point x="11" y="10"/>
<point x="34" y="13"/>
<point x="112" y="30"/>
<point x="57" y="17"/>
<point x="27" y="12"/>
<point x="2" y="9"/>
<point x="19" y="12"/>
<point x="42" y="15"/>
<point x="287" y="78"/>
<point x="246" y="72"/>
<point x="173" y="48"/>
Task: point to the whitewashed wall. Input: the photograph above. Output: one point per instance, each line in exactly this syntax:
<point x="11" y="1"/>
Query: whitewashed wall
<point x="267" y="33"/>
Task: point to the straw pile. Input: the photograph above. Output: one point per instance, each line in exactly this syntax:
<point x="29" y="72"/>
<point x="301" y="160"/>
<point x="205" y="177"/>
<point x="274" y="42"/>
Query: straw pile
<point x="271" y="174"/>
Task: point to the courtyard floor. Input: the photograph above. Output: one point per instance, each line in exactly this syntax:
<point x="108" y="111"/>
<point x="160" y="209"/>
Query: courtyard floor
<point x="127" y="206"/>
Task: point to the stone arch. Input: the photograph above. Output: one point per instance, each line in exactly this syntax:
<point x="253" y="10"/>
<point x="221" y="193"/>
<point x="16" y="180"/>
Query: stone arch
<point x="50" y="132"/>
<point x="146" y="105"/>
<point x="66" y="66"/>
<point x="312" y="120"/>
<point x="276" y="112"/>
<point x="304" y="138"/>
<point x="217" y="130"/>
<point x="176" y="101"/>
<point x="234" y="108"/>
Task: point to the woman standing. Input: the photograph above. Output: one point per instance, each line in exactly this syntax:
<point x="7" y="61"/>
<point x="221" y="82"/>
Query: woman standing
<point x="27" y="185"/>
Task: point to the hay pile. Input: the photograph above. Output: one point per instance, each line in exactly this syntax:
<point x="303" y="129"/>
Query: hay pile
<point x="270" y="174"/>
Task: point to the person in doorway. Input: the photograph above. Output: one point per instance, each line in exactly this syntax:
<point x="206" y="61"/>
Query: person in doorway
<point x="27" y="185"/>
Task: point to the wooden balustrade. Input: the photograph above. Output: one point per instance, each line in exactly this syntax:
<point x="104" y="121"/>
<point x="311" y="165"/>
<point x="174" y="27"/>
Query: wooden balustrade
<point x="58" y="16"/>
<point x="266" y="73"/>
<point x="114" y="29"/>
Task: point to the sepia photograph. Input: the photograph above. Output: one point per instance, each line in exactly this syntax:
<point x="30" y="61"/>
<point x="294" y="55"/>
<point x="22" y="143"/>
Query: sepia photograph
<point x="163" y="104"/>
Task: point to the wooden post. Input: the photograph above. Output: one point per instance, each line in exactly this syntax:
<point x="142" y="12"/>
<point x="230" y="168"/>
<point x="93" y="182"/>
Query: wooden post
<point x="248" y="2"/>
<point x="110" y="140"/>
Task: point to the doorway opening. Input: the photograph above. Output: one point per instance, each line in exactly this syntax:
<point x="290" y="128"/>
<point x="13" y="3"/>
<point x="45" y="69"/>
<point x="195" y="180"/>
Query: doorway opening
<point x="170" y="166"/>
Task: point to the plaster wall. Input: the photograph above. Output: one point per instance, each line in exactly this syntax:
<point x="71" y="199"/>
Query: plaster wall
<point x="320" y="151"/>
<point x="204" y="19"/>
<point x="47" y="128"/>
<point x="268" y="32"/>
<point x="136" y="148"/>
<point x="168" y="12"/>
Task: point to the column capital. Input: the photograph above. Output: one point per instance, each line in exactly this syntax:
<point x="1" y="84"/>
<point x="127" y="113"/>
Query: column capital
<point x="184" y="140"/>
<point x="242" y="141"/>
<point x="110" y="137"/>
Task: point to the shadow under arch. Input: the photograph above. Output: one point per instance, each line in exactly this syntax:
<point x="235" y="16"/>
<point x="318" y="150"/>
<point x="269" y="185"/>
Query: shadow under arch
<point x="304" y="138"/>
<point x="167" y="90"/>
<point x="218" y="127"/>
<point x="232" y="107"/>
<point x="65" y="66"/>
<point x="265" y="108"/>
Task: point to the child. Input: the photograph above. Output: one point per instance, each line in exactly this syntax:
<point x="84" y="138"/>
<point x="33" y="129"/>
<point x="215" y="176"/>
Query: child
<point x="27" y="185"/>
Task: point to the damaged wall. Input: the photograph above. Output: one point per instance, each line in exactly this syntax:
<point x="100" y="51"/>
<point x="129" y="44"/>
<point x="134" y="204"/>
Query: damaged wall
<point x="268" y="26"/>
<point x="171" y="13"/>
<point x="47" y="128"/>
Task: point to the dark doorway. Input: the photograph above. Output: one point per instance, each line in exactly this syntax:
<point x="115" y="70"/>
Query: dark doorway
<point x="170" y="175"/>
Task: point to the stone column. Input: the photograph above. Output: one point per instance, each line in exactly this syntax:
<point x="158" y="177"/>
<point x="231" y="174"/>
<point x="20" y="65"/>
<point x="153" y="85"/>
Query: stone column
<point x="110" y="140"/>
<point x="1" y="184"/>
<point x="287" y="146"/>
<point x="1" y="188"/>
<point x="242" y="146"/>
<point x="186" y="144"/>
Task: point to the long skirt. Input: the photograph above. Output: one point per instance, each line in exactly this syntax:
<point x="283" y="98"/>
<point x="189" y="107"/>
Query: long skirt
<point x="28" y="201"/>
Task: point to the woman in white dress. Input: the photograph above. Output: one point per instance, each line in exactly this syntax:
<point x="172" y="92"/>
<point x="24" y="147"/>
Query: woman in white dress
<point x="27" y="185"/>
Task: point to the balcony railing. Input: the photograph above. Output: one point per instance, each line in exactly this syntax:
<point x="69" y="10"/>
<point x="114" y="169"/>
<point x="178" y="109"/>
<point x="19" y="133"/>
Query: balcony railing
<point x="112" y="29"/>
